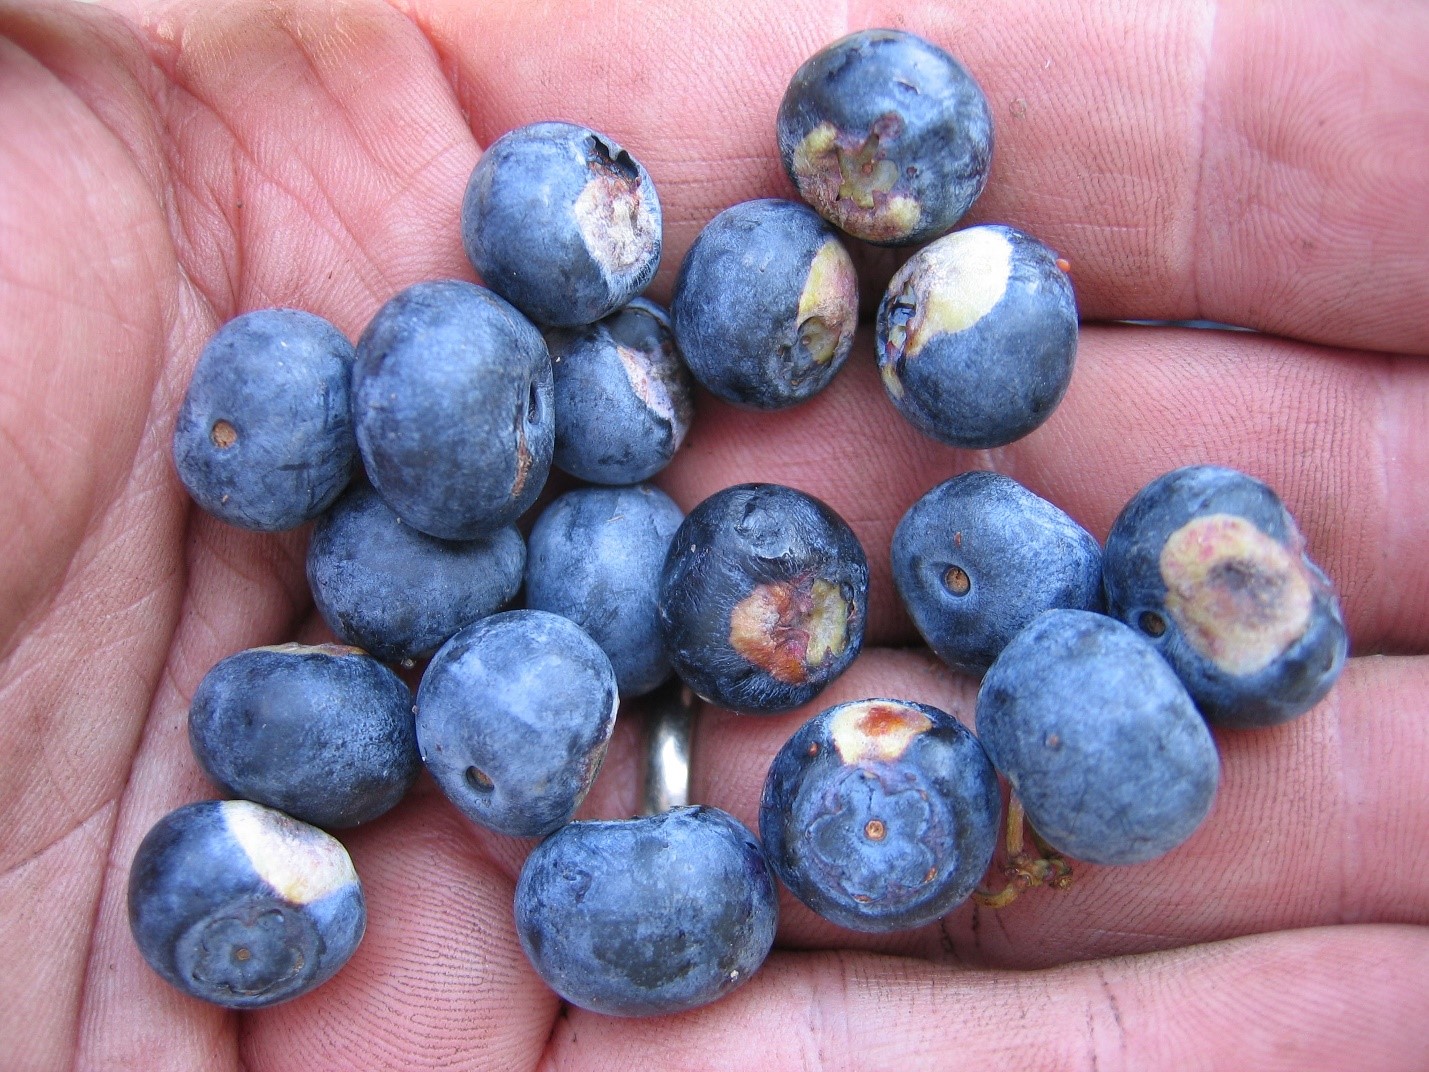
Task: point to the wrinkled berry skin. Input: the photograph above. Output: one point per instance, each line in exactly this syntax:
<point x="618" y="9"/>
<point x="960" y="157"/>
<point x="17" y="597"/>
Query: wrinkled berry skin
<point x="514" y="714"/>
<point x="763" y="598"/>
<point x="979" y="556"/>
<point x="887" y="136"/>
<point x="398" y="593"/>
<point x="323" y="733"/>
<point x="1208" y="565"/>
<point x="765" y="305"/>
<point x="647" y="917"/>
<point x="624" y="399"/>
<point x="595" y="558"/>
<point x="1098" y="738"/>
<point x="881" y="815"/>
<point x="977" y="336"/>
<point x="243" y="906"/>
<point x="453" y="406"/>
<point x="264" y="438"/>
<point x="561" y="222"/>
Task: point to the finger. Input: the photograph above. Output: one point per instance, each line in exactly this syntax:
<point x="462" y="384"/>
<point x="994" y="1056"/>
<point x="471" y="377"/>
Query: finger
<point x="1309" y="827"/>
<point x="1335" y="433"/>
<point x="1333" y="998"/>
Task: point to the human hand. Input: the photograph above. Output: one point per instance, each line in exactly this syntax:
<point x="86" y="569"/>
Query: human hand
<point x="169" y="165"/>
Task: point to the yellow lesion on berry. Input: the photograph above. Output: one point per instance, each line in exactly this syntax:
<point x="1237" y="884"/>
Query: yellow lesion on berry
<point x="876" y="730"/>
<point x="854" y="184"/>
<point x="301" y="863"/>
<point x="828" y="304"/>
<point x="1238" y="595"/>
<point x="946" y="288"/>
<point x="789" y="628"/>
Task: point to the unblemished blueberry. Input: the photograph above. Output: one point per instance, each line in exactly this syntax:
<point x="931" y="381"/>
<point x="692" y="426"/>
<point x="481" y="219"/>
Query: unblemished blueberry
<point x="763" y="598"/>
<point x="646" y="917"/>
<point x="1209" y="566"/>
<point x="561" y="222"/>
<point x="264" y="438"/>
<point x="765" y="305"/>
<point x="514" y="714"/>
<point x="398" y="593"/>
<point x="1098" y="738"/>
<point x="979" y="556"/>
<point x="624" y="399"/>
<point x="453" y="407"/>
<point x="881" y="814"/>
<point x="595" y="558"/>
<point x="977" y="336"/>
<point x="324" y="733"/>
<point x="243" y="906"/>
<point x="886" y="135"/>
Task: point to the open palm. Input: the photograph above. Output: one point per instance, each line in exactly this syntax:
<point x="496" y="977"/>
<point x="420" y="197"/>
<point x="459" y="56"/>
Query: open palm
<point x="166" y="167"/>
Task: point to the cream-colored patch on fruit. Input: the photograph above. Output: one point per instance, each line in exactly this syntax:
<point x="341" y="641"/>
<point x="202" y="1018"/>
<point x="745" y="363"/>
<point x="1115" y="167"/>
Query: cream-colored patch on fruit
<point x="617" y="224"/>
<point x="827" y="623"/>
<point x="651" y="388"/>
<point x="876" y="730"/>
<point x="300" y="862"/>
<point x="294" y="648"/>
<point x="1239" y="596"/>
<point x="851" y="183"/>
<point x="828" y="304"/>
<point x="949" y="286"/>
<point x="788" y="628"/>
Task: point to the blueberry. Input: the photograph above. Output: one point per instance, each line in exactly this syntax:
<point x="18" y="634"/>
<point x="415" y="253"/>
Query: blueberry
<point x="763" y="598"/>
<point x="323" y="733"/>
<point x="453" y="406"/>
<point x="596" y="555"/>
<point x="514" y="714"/>
<point x="264" y="438"/>
<point x="561" y="222"/>
<point x="1098" y="738"/>
<point x="644" y="917"/>
<point x="1209" y="566"/>
<point x="977" y="335"/>
<point x="881" y="814"/>
<point x="623" y="396"/>
<point x="398" y="593"/>
<point x="979" y="556"/>
<point x="887" y="136"/>
<point x="242" y="905"/>
<point x="765" y="304"/>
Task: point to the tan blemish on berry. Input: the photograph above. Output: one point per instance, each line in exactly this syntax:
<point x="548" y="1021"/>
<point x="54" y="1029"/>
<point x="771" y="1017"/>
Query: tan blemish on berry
<point x="853" y="184"/>
<point x="828" y="304"/>
<point x="876" y="729"/>
<point x="875" y="830"/>
<point x="789" y="628"/>
<point x="1239" y="596"/>
<point x="223" y="435"/>
<point x="300" y="862"/>
<point x="946" y="288"/>
<point x="294" y="648"/>
<point x="616" y="221"/>
<point x="523" y="462"/>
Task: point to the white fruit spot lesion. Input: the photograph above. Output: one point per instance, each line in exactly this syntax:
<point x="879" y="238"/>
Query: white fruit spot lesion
<point x="946" y="288"/>
<point x="1239" y="596"/>
<point x="617" y="221"/>
<point x="876" y="730"/>
<point x="301" y="863"/>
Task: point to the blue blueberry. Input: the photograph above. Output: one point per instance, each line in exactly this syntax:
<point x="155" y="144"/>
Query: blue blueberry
<point x="514" y="714"/>
<point x="243" y="906"/>
<point x="398" y="593"/>
<point x="264" y="438"/>
<point x="595" y="558"/>
<point x="624" y="399"/>
<point x="323" y="733"/>
<point x="881" y="814"/>
<point x="453" y="407"/>
<point x="561" y="222"/>
<point x="979" y="556"/>
<point x="646" y="917"/>
<point x="763" y="598"/>
<point x="765" y="304"/>
<point x="1098" y="738"/>
<point x="887" y="136"/>
<point x="977" y="336"/>
<point x="1209" y="566"/>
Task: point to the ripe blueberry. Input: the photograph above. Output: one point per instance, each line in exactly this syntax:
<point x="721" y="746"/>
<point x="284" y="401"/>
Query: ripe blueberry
<point x="243" y="906"/>
<point x="881" y="814"/>
<point x="264" y="438"/>
<point x="1209" y="566"/>
<point x="887" y="136"/>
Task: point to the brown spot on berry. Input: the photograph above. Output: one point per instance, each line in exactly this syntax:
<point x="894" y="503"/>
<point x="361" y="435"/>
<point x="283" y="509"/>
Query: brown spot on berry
<point x="848" y="177"/>
<point x="876" y="730"/>
<point x="223" y="435"/>
<point x="787" y="628"/>
<point x="957" y="581"/>
<point x="875" y="830"/>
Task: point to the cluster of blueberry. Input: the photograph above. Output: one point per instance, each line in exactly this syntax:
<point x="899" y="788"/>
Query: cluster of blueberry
<point x="417" y="450"/>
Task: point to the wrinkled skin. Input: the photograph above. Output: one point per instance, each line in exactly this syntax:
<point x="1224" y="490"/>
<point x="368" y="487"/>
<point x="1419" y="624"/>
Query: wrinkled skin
<point x="163" y="169"/>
